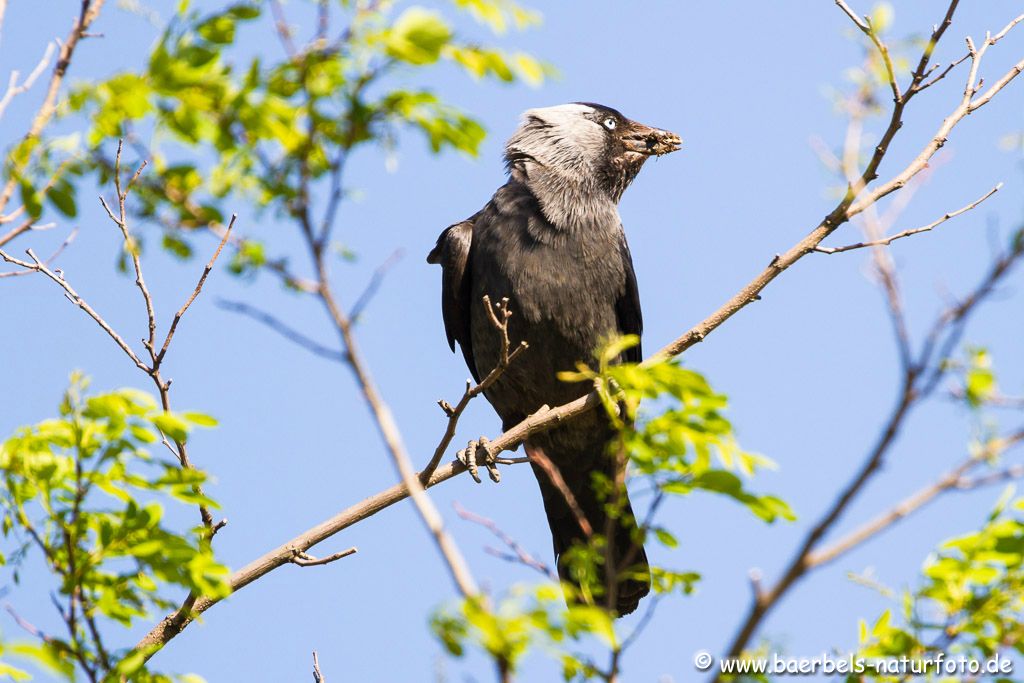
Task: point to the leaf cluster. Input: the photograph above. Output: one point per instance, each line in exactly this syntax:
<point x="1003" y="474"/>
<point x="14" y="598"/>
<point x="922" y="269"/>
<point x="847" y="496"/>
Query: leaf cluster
<point x="85" y="493"/>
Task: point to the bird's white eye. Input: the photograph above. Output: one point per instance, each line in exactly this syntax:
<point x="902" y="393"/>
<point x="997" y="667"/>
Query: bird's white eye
<point x="609" y="123"/>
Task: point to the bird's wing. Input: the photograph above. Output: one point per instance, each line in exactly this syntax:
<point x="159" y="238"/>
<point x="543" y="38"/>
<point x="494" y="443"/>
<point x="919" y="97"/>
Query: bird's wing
<point x="627" y="308"/>
<point x="452" y="253"/>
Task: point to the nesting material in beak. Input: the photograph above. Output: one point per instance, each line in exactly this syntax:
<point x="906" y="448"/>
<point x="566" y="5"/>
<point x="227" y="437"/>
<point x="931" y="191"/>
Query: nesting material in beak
<point x="651" y="141"/>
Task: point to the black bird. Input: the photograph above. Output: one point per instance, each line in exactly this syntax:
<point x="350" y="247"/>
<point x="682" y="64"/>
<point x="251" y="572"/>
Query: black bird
<point x="551" y="241"/>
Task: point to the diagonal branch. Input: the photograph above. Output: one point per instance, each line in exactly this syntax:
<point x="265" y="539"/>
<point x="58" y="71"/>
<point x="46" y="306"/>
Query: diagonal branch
<point x="158" y="359"/>
<point x="953" y="480"/>
<point x="282" y="328"/>
<point x="73" y="296"/>
<point x="49" y="261"/>
<point x="90" y="9"/>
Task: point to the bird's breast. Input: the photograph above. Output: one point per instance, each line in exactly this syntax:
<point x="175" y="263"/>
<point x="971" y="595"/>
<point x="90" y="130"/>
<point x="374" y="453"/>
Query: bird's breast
<point x="562" y="291"/>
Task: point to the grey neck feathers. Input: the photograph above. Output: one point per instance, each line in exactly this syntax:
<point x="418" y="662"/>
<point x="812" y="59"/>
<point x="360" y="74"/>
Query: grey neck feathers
<point x="568" y="201"/>
<point x="559" y="159"/>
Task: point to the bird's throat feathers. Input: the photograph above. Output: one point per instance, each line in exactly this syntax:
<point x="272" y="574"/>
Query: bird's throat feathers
<point x="565" y="161"/>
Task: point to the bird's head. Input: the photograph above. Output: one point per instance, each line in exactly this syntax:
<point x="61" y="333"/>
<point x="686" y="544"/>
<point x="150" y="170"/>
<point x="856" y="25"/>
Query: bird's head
<point x="584" y="146"/>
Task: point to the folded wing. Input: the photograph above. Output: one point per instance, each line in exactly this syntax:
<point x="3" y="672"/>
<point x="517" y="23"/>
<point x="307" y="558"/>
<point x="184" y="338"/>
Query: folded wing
<point x="452" y="253"/>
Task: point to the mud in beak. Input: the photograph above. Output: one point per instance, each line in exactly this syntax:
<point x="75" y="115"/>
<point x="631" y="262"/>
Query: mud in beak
<point x="650" y="141"/>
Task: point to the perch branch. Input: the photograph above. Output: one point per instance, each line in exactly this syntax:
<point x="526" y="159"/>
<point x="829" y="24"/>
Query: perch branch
<point x="499" y="315"/>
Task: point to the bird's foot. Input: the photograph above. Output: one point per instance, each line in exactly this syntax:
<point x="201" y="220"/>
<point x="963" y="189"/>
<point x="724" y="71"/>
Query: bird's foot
<point x="479" y="452"/>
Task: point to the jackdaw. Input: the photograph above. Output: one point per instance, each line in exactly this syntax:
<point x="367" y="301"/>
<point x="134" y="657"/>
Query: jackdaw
<point x="551" y="241"/>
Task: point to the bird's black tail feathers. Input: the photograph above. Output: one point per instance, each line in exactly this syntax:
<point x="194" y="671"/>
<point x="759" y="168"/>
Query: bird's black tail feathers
<point x="629" y="559"/>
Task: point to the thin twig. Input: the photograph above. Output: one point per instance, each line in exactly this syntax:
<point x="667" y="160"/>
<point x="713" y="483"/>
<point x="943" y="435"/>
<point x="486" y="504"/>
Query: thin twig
<point x="289" y="333"/>
<point x="49" y="261"/>
<point x="131" y="246"/>
<point x="304" y="559"/>
<point x="317" y="676"/>
<point x="907" y="233"/>
<point x="541" y="459"/>
<point x="195" y="293"/>
<point x="520" y="554"/>
<point x="499" y="315"/>
<point x="14" y="89"/>
<point x="374" y="284"/>
<point x="73" y="297"/>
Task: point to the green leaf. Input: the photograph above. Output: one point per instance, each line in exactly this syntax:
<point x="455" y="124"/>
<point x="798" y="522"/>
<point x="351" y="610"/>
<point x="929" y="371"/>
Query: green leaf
<point x="666" y="538"/>
<point x="531" y="70"/>
<point x="62" y="196"/>
<point x="882" y="16"/>
<point x="171" y="425"/>
<point x="245" y="11"/>
<point x="418" y="36"/>
<point x="176" y="246"/>
<point x="13" y="673"/>
<point x="30" y="200"/>
<point x="200" y="419"/>
<point x="218" y="29"/>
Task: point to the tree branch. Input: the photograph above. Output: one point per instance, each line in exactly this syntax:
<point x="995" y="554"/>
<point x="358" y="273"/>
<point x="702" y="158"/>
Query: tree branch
<point x="289" y="333"/>
<point x="13" y="89"/>
<point x="953" y="480"/>
<point x="90" y="9"/>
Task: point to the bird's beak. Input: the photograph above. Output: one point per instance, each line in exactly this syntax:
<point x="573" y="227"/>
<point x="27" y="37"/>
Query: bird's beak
<point x="650" y="141"/>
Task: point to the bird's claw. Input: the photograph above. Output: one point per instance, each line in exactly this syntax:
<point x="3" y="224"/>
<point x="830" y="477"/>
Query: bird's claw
<point x="469" y="456"/>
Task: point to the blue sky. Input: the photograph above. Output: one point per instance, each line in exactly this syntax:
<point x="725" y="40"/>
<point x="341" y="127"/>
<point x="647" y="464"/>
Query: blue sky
<point x="810" y="370"/>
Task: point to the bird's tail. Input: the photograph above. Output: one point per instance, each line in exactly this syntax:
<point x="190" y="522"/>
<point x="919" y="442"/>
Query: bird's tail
<point x="629" y="561"/>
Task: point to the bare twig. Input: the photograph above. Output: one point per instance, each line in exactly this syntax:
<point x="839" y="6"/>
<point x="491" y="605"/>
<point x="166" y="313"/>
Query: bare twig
<point x="73" y="297"/>
<point x="14" y="89"/>
<point x="283" y="329"/>
<point x="283" y="29"/>
<point x="152" y="369"/>
<point x="24" y="227"/>
<point x="130" y="245"/>
<point x="24" y="624"/>
<point x="317" y="676"/>
<point x="374" y="284"/>
<point x="917" y="383"/>
<point x="49" y="261"/>
<point x="907" y="233"/>
<point x="864" y="24"/>
<point x="920" y="378"/>
<point x="304" y="559"/>
<point x="519" y="555"/>
<point x="195" y="293"/>
<point x="541" y="459"/>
